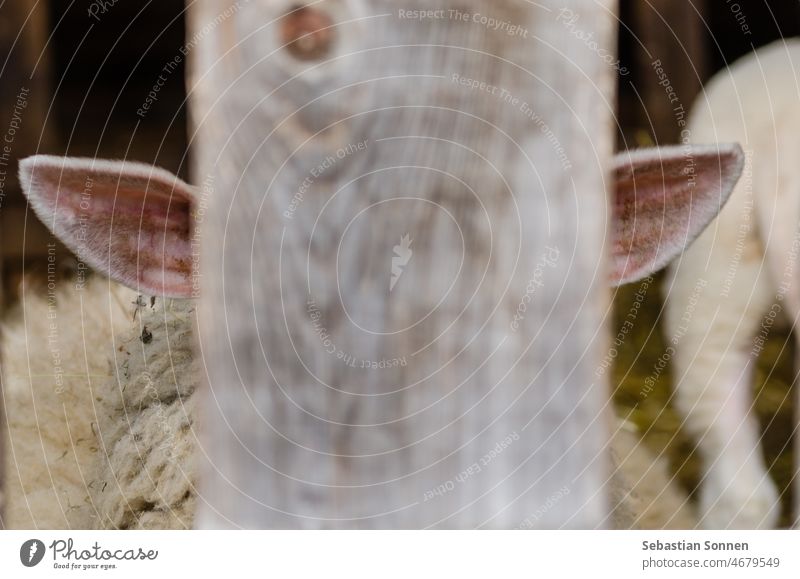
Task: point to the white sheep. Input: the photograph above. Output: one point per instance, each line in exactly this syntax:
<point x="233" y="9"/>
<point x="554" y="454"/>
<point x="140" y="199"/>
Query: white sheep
<point x="134" y="223"/>
<point x="100" y="419"/>
<point x="725" y="293"/>
<point x="56" y="352"/>
<point x="106" y="440"/>
<point x="147" y="467"/>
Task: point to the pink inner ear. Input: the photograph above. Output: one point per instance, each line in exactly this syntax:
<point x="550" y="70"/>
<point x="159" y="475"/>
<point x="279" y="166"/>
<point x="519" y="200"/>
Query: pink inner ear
<point x="150" y="235"/>
<point x="129" y="221"/>
<point x="664" y="198"/>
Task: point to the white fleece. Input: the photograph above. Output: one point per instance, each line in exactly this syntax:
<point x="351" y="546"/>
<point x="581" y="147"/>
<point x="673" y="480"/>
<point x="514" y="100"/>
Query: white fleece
<point x="739" y="270"/>
<point x="99" y="410"/>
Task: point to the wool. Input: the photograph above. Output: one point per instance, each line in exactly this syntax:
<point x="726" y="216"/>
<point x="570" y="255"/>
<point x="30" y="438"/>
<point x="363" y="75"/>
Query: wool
<point x="117" y="448"/>
<point x="55" y="357"/>
<point x="106" y="440"/>
<point x="146" y="473"/>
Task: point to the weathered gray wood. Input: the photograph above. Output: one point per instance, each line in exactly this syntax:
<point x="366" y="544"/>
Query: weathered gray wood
<point x="487" y="190"/>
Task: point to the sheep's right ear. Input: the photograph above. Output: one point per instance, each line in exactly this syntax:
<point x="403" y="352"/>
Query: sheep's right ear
<point x="128" y="220"/>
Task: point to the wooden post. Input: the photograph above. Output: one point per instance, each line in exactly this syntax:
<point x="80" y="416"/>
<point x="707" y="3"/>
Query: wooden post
<point x="403" y="268"/>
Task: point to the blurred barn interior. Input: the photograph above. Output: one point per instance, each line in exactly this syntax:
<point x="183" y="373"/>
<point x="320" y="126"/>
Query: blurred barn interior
<point x="90" y="78"/>
<point x="693" y="40"/>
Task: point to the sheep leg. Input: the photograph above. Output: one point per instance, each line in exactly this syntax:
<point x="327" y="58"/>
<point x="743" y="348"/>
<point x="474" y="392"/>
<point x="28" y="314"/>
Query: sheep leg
<point x="715" y="394"/>
<point x="736" y="491"/>
<point x="716" y="333"/>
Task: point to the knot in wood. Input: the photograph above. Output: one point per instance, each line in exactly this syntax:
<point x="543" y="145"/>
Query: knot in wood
<point x="307" y="33"/>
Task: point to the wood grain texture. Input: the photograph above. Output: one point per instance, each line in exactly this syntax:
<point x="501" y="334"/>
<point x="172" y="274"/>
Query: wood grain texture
<point x="316" y="170"/>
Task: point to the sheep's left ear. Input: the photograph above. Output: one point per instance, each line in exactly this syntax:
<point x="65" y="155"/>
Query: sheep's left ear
<point x="130" y="221"/>
<point x="663" y="199"/>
